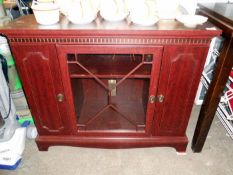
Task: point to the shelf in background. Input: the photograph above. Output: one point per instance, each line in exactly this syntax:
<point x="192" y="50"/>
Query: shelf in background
<point x="109" y="76"/>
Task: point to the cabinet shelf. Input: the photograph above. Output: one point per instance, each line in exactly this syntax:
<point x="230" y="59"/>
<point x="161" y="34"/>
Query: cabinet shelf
<point x="109" y="76"/>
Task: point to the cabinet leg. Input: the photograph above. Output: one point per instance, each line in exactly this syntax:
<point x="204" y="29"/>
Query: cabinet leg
<point x="42" y="147"/>
<point x="181" y="149"/>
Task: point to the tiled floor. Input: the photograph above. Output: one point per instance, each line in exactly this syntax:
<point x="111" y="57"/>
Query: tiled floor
<point x="216" y="158"/>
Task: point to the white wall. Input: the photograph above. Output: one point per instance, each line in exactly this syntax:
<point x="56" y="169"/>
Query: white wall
<point x="191" y="5"/>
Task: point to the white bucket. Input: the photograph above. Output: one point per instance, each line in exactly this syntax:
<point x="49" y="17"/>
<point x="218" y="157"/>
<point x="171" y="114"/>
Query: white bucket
<point x="46" y="13"/>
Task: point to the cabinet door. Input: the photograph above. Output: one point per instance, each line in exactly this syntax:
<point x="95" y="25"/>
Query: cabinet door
<point x="180" y="75"/>
<point x="40" y="73"/>
<point x="111" y="88"/>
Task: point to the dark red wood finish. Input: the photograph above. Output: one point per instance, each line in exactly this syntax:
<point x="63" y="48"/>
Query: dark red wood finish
<point x="42" y="82"/>
<point x="41" y="56"/>
<point x="180" y="74"/>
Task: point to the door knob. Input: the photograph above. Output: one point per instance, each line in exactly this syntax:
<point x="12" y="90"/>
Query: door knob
<point x="152" y="99"/>
<point x="160" y="98"/>
<point x="60" y="97"/>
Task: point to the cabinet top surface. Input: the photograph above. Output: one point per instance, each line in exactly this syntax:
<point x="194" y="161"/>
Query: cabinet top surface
<point x="27" y="25"/>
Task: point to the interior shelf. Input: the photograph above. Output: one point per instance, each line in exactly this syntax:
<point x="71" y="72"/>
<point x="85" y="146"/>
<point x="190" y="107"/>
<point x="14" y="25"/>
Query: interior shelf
<point x="108" y="76"/>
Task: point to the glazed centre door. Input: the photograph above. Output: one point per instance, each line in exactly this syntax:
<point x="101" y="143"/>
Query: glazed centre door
<point x="111" y="88"/>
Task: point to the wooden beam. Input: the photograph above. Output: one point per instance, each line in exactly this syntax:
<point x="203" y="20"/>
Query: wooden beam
<point x="212" y="99"/>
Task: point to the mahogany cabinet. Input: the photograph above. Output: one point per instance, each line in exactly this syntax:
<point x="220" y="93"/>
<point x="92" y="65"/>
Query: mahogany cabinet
<point x="109" y="86"/>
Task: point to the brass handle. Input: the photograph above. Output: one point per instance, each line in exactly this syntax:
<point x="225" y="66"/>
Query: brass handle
<point x="152" y="99"/>
<point x="60" y="97"/>
<point x="160" y="98"/>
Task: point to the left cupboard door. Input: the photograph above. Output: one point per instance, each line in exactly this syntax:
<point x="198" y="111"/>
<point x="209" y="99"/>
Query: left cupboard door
<point x="40" y="73"/>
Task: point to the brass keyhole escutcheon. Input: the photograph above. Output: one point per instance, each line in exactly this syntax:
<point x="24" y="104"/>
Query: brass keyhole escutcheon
<point x="112" y="86"/>
<point x="60" y="97"/>
<point x="152" y="99"/>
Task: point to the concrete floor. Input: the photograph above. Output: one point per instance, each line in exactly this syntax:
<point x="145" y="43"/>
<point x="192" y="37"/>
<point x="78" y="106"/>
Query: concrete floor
<point x="215" y="159"/>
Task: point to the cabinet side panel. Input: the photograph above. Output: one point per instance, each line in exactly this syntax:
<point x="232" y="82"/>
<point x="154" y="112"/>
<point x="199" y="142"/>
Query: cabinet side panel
<point x="180" y="76"/>
<point x="40" y="77"/>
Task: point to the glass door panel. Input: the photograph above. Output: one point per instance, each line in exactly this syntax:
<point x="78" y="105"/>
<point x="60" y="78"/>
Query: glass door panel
<point x="110" y="91"/>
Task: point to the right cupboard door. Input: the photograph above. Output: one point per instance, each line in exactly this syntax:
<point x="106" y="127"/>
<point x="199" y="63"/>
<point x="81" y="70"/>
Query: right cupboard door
<point x="180" y="75"/>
